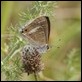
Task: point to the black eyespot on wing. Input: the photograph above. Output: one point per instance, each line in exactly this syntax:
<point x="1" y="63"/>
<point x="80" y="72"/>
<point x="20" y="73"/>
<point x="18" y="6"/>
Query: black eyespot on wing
<point x="25" y="29"/>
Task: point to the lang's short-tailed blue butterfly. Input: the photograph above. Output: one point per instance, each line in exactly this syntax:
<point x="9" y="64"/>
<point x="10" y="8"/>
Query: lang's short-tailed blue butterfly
<point x="37" y="33"/>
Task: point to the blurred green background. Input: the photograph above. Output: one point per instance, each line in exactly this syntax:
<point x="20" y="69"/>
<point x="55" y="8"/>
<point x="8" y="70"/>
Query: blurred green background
<point x="63" y="59"/>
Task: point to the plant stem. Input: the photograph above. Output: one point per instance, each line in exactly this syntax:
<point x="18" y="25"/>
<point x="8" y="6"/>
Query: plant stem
<point x="35" y="75"/>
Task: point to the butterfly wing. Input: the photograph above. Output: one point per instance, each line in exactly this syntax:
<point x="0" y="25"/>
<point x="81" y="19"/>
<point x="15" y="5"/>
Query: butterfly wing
<point x="38" y="30"/>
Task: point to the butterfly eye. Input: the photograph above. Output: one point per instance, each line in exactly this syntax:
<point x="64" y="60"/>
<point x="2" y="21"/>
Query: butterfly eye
<point x="21" y="31"/>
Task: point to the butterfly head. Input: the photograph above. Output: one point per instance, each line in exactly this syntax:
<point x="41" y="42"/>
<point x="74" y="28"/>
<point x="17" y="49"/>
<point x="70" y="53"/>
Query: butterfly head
<point x="23" y="30"/>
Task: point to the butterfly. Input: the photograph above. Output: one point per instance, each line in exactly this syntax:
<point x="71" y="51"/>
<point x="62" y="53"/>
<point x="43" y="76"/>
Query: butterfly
<point x="37" y="33"/>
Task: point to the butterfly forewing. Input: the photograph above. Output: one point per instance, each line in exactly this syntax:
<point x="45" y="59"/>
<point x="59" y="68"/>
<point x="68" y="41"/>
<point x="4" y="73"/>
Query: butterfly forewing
<point x="38" y="30"/>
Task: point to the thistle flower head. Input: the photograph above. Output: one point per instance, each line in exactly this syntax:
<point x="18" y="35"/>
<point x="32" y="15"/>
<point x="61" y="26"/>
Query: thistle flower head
<point x="31" y="60"/>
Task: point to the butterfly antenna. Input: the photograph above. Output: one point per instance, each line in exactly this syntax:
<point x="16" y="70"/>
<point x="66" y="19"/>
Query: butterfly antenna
<point x="35" y="75"/>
